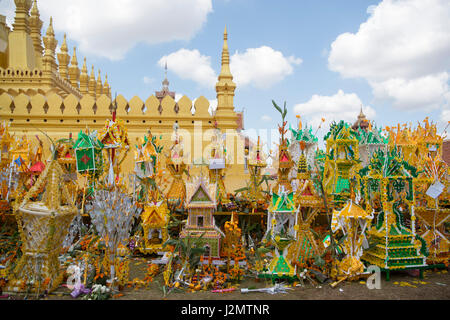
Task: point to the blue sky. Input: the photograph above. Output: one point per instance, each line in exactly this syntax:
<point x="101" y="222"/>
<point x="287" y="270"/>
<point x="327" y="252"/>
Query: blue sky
<point x="325" y="58"/>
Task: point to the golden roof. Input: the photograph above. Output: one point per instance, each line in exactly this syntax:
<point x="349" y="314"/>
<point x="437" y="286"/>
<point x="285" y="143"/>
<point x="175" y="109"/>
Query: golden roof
<point x="114" y="134"/>
<point x="352" y="210"/>
<point x="56" y="197"/>
<point x="201" y="183"/>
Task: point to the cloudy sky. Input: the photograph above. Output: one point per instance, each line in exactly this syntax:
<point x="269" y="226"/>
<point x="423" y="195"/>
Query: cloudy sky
<point x="325" y="58"/>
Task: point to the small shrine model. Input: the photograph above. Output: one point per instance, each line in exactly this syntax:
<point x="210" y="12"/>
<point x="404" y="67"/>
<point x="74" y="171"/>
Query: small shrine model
<point x="256" y="163"/>
<point x="309" y="141"/>
<point x="114" y="137"/>
<point x="21" y="154"/>
<point x="155" y="220"/>
<point x="388" y="188"/>
<point x="155" y="215"/>
<point x="88" y="154"/>
<point x="43" y="226"/>
<point x="66" y="158"/>
<point x="309" y="204"/>
<point x="232" y="247"/>
<point x="353" y="221"/>
<point x="201" y="204"/>
<point x="89" y="161"/>
<point x="282" y="216"/>
<point x="403" y="139"/>
<point x="176" y="166"/>
<point x="370" y="140"/>
<point x="431" y="192"/>
<point x="342" y="155"/>
<point x="147" y="156"/>
<point x="432" y="207"/>
<point x="217" y="166"/>
<point x="428" y="140"/>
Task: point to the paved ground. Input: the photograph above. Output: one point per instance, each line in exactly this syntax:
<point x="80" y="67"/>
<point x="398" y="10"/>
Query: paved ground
<point x="434" y="286"/>
<point x="402" y="286"/>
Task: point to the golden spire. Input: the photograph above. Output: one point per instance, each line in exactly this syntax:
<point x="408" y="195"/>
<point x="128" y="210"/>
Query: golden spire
<point x="64" y="47"/>
<point x="36" y="26"/>
<point x="106" y="89"/>
<point x="50" y="46"/>
<point x="35" y="10"/>
<point x="225" y="73"/>
<point x="225" y="88"/>
<point x="92" y="83"/>
<point x="21" y="20"/>
<point x="74" y="61"/>
<point x="84" y="68"/>
<point x="84" y="79"/>
<point x="99" y="84"/>
<point x="64" y="59"/>
<point x="50" y="30"/>
<point x="74" y="71"/>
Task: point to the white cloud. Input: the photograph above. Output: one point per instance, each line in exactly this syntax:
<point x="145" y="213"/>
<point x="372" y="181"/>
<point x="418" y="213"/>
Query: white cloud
<point x="445" y="115"/>
<point x="341" y="106"/>
<point x="148" y="80"/>
<point x="266" y="118"/>
<point x="261" y="67"/>
<point x="7" y="9"/>
<point x="402" y="50"/>
<point x="178" y="96"/>
<point x="212" y="106"/>
<point x="111" y="28"/>
<point x="428" y="92"/>
<point x="190" y="64"/>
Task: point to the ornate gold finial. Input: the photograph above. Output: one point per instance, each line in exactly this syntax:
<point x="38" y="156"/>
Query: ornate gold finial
<point x="225" y="72"/>
<point x="34" y="9"/>
<point x="21" y="20"/>
<point x="225" y="87"/>
<point x="36" y="26"/>
<point x="92" y="78"/>
<point x="106" y="88"/>
<point x="84" y="69"/>
<point x="50" y="43"/>
<point x="99" y="89"/>
<point x="50" y="30"/>
<point x="84" y="79"/>
<point x="92" y="83"/>
<point x="74" y="72"/>
<point x="74" y="61"/>
<point x="64" y="44"/>
<point x="64" y="59"/>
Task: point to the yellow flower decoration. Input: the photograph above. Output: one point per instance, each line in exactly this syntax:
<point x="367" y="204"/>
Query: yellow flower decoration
<point x="277" y="238"/>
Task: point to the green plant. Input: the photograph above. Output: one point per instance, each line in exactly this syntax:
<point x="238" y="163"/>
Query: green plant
<point x="99" y="292"/>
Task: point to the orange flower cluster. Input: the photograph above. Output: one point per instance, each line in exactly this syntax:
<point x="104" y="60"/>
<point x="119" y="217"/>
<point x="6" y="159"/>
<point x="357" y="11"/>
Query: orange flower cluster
<point x="236" y="272"/>
<point x="152" y="271"/>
